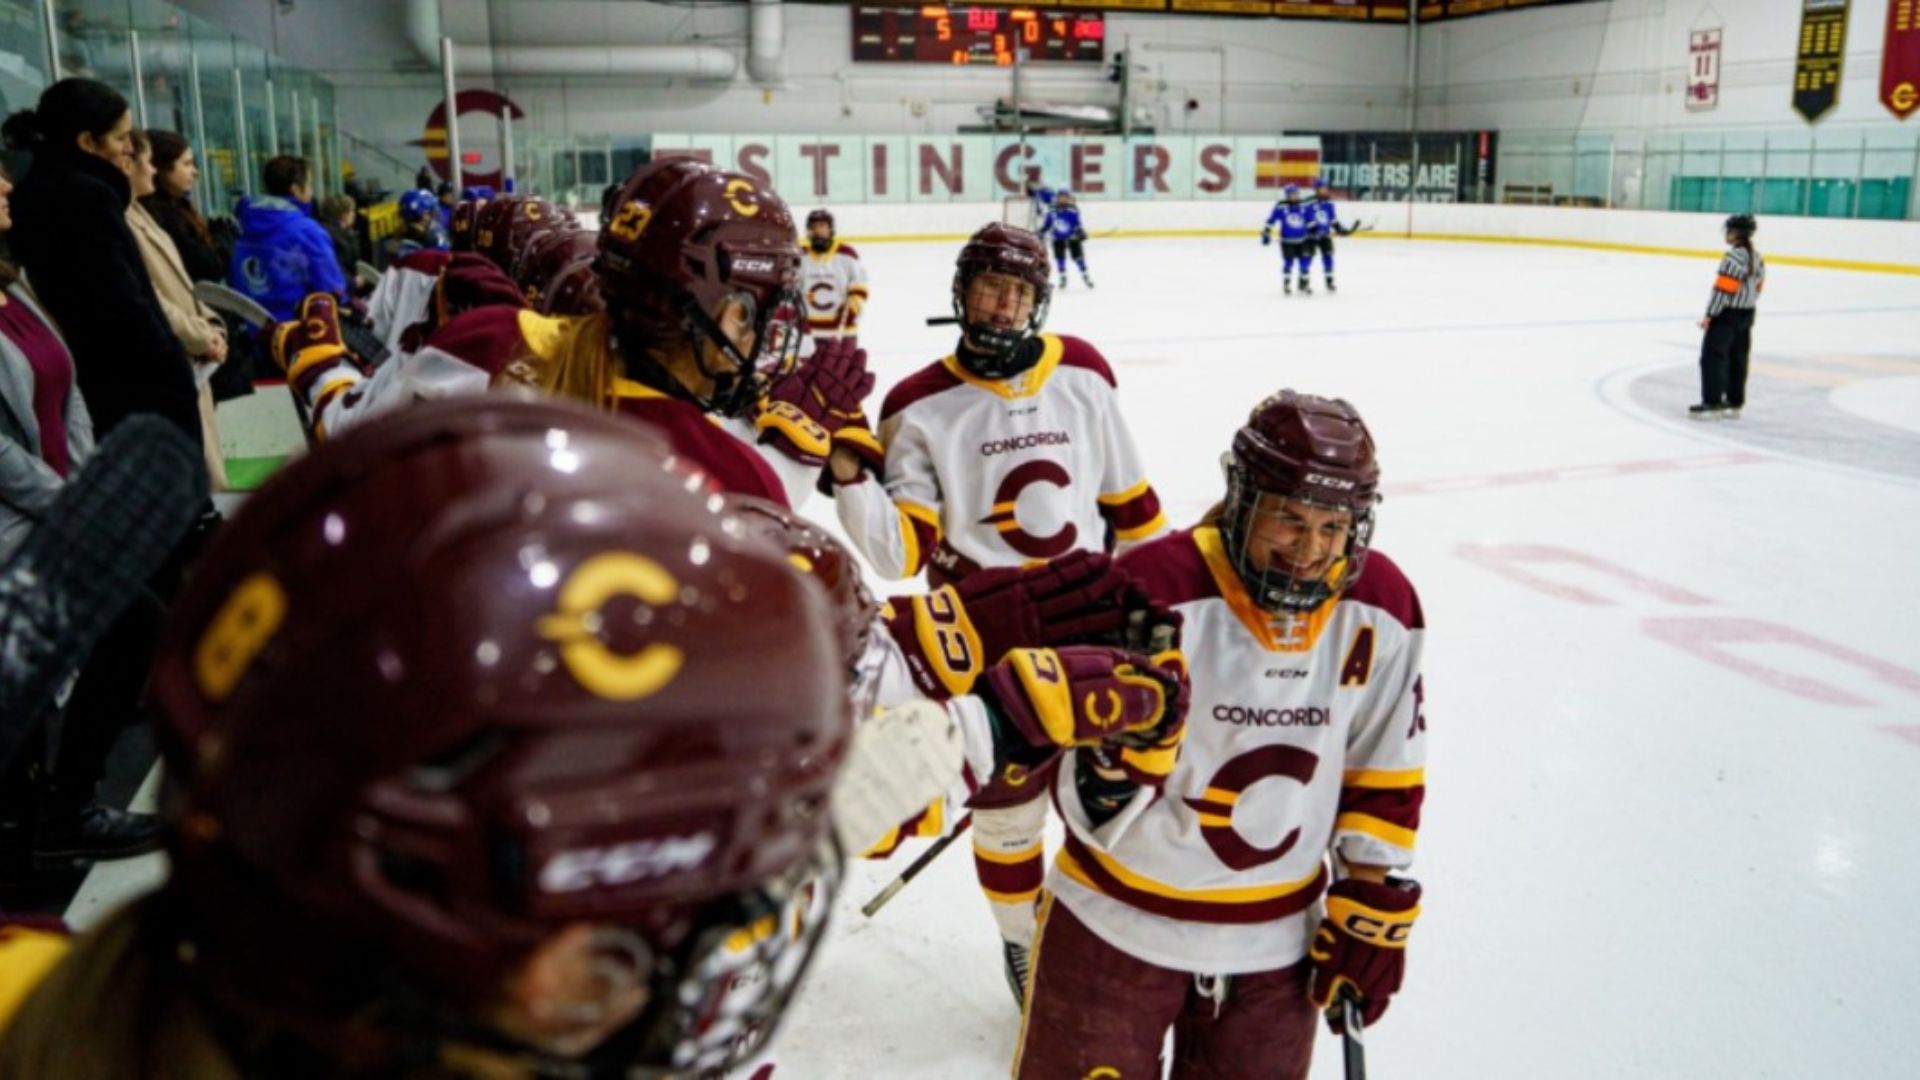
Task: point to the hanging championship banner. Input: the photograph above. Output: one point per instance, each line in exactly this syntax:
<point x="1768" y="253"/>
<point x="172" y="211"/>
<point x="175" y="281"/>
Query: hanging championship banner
<point x="1823" y="44"/>
<point x="1703" y="74"/>
<point x="1900" y="63"/>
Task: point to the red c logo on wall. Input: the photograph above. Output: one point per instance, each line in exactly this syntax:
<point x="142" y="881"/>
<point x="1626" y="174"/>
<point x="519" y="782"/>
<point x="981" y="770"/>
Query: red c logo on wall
<point x="434" y="138"/>
<point x="1023" y="476"/>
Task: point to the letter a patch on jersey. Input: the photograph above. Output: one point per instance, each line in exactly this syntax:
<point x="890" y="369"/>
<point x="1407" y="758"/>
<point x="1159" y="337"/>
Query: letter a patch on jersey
<point x="1359" y="663"/>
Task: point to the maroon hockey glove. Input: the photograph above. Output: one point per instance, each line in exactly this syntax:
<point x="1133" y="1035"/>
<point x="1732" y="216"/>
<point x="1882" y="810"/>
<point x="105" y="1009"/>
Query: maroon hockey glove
<point x="310" y="345"/>
<point x="1362" y="944"/>
<point x="803" y="412"/>
<point x="1084" y="695"/>
<point x="952" y="634"/>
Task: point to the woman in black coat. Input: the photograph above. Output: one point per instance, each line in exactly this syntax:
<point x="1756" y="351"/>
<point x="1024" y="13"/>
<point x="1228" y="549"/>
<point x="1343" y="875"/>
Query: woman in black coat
<point x="70" y="233"/>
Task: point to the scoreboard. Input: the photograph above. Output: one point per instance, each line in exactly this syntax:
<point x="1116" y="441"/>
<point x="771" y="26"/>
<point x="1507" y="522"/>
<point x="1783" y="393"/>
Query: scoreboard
<point x="937" y="34"/>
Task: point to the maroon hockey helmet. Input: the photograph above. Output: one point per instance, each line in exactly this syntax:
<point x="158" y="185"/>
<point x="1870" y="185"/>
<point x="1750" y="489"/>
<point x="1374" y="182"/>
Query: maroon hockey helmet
<point x="507" y="224"/>
<point x="685" y="240"/>
<point x="547" y="255"/>
<point x="815" y="551"/>
<point x="1300" y="448"/>
<point x="477" y="672"/>
<point x="576" y="291"/>
<point x="1000" y="249"/>
<point x="462" y="223"/>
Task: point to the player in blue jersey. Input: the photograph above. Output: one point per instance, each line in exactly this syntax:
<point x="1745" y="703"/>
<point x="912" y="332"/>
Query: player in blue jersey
<point x="1062" y="225"/>
<point x="1296" y="226"/>
<point x="1039" y="198"/>
<point x="1323" y="227"/>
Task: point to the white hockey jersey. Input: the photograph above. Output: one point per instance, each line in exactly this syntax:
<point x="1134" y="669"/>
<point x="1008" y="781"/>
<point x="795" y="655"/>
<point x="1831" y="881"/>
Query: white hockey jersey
<point x="984" y="473"/>
<point x="834" y="283"/>
<point x="1303" y="735"/>
<point x="404" y="294"/>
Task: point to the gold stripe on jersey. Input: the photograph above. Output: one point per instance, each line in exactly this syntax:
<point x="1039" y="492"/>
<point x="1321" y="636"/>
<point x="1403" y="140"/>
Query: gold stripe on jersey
<point x="1246" y="894"/>
<point x="1024" y="385"/>
<point x="911" y="512"/>
<point x="1378" y="778"/>
<point x="1274" y="635"/>
<point x="1121" y="498"/>
<point x="1033" y="972"/>
<point x="1368" y="825"/>
<point x="1138" y="531"/>
<point x="1220" y="795"/>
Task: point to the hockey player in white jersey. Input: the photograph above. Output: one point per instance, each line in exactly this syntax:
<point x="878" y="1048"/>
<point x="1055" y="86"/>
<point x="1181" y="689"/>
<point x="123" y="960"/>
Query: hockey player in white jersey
<point x="1188" y="907"/>
<point x="1008" y="452"/>
<point x="833" y="280"/>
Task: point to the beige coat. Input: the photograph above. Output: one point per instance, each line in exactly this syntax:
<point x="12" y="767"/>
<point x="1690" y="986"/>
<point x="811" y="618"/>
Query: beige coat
<point x="194" y="323"/>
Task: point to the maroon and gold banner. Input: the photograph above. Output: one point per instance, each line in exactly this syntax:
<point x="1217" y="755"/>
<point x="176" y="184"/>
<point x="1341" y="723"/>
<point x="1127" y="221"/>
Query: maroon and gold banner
<point x="1900" y="63"/>
<point x="1823" y="45"/>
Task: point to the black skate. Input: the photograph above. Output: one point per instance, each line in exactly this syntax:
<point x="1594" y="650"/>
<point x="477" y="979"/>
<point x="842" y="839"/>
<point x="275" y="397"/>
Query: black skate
<point x="1703" y="412"/>
<point x="1330" y="287"/>
<point x="1063" y="281"/>
<point x="1287" y="285"/>
<point x="1017" y="972"/>
<point x="1306" y="287"/>
<point x="1084" y="277"/>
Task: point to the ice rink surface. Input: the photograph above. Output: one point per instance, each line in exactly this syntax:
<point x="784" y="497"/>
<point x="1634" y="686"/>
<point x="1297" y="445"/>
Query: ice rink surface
<point x="1673" y="668"/>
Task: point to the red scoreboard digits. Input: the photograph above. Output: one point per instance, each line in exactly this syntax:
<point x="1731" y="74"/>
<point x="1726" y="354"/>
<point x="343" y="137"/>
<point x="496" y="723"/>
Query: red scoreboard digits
<point x="937" y="34"/>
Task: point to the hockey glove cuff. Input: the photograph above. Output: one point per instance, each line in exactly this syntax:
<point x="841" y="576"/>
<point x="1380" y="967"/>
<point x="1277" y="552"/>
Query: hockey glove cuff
<point x="1362" y="944"/>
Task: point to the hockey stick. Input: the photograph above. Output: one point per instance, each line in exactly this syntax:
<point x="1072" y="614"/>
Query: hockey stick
<point x="913" y="871"/>
<point x="942" y="320"/>
<point x="110" y="529"/>
<point x="224" y="298"/>
<point x="1353" y="1037"/>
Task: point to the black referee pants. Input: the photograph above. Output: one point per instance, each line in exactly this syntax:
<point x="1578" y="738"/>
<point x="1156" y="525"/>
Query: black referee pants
<point x="1723" y="358"/>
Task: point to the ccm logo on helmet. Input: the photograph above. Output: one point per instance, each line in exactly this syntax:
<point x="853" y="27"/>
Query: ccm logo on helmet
<point x="621" y="864"/>
<point x="1259" y="717"/>
<point x="1330" y="482"/>
<point x="753" y="266"/>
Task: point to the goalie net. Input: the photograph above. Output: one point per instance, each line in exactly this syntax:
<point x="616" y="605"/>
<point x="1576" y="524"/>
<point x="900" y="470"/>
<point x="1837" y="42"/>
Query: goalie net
<point x="1018" y="210"/>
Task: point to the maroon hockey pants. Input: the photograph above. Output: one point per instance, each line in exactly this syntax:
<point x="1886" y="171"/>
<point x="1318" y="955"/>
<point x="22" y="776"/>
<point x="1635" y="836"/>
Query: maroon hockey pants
<point x="1094" y="1011"/>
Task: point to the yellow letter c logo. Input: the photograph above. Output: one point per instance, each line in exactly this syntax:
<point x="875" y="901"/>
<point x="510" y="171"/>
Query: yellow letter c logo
<point x="1103" y="720"/>
<point x="608" y="674"/>
<point x="734" y="188"/>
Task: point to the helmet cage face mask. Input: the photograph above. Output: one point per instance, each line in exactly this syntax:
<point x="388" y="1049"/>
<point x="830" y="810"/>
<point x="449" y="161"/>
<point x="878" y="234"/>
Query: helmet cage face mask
<point x="995" y="352"/>
<point x="772" y="352"/>
<point x="1281" y="591"/>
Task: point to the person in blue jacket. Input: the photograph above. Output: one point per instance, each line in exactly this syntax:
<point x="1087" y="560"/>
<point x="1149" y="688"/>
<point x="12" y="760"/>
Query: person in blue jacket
<point x="1062" y="224"/>
<point x="1296" y="225"/>
<point x="1325" y="225"/>
<point x="283" y="254"/>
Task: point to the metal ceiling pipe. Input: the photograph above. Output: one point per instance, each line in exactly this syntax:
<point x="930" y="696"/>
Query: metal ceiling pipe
<point x="766" y="33"/>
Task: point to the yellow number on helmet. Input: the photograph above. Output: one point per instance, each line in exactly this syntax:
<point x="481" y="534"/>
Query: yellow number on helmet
<point x="631" y="221"/>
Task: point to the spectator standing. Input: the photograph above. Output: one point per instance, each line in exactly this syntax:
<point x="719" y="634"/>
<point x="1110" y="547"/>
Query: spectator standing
<point x="197" y="326"/>
<point x="283" y="254"/>
<point x="71" y="235"/>
<point x="45" y="434"/>
<point x="336" y="216"/>
<point x="171" y="205"/>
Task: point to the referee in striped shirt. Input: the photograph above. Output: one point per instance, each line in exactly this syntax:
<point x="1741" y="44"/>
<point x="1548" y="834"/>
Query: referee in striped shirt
<point x="1729" y="325"/>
